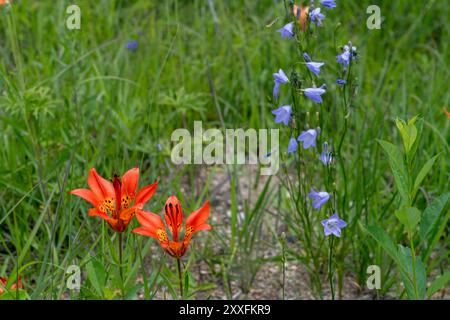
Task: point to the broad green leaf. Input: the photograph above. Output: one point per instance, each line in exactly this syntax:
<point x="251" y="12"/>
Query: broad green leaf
<point x="396" y="161"/>
<point x="385" y="241"/>
<point x="434" y="223"/>
<point x="422" y="174"/>
<point x="438" y="283"/>
<point x="421" y="278"/>
<point x="407" y="274"/>
<point x="409" y="287"/>
<point x="431" y="216"/>
<point x="97" y="276"/>
<point x="404" y="255"/>
<point x="409" y="217"/>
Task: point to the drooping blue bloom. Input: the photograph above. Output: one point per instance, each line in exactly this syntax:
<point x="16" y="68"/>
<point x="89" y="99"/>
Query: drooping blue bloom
<point x="349" y="52"/>
<point x="315" y="67"/>
<point x="316" y="16"/>
<point x="306" y="57"/>
<point x="328" y="3"/>
<point x="315" y="93"/>
<point x="344" y="57"/>
<point x="333" y="225"/>
<point x="287" y="31"/>
<point x="326" y="156"/>
<point x="283" y="114"/>
<point x="132" y="45"/>
<point x="319" y="198"/>
<point x="279" y="79"/>
<point x="308" y="138"/>
<point x="292" y="146"/>
<point x="341" y="81"/>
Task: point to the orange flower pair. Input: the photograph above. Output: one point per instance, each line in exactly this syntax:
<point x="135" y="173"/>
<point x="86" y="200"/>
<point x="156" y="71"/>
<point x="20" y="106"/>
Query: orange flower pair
<point x="14" y="286"/>
<point x="112" y="202"/>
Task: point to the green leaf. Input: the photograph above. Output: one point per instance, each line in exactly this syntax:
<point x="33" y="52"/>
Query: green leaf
<point x="407" y="274"/>
<point x="422" y="174"/>
<point x="408" y="132"/>
<point x="186" y="285"/>
<point x="431" y="217"/>
<point x="396" y="161"/>
<point x="405" y="259"/>
<point x="419" y="126"/>
<point x="412" y="121"/>
<point x="97" y="276"/>
<point x="421" y="278"/>
<point x="409" y="217"/>
<point x="385" y="241"/>
<point x="14" y="295"/>
<point x="438" y="283"/>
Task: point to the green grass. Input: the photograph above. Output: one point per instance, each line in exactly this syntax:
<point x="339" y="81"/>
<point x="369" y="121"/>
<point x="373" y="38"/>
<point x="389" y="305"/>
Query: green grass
<point x="72" y="100"/>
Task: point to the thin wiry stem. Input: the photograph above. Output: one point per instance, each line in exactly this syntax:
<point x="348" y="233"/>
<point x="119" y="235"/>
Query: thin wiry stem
<point x="330" y="266"/>
<point x="180" y="278"/>
<point x="120" y="265"/>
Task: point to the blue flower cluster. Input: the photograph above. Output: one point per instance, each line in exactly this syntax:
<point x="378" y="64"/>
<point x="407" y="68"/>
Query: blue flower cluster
<point x="308" y="138"/>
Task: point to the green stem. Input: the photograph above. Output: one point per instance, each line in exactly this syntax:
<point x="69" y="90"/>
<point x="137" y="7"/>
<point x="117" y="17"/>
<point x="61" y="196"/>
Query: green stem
<point x="120" y="265"/>
<point x="413" y="255"/>
<point x="180" y="278"/>
<point x="330" y="266"/>
<point x="283" y="259"/>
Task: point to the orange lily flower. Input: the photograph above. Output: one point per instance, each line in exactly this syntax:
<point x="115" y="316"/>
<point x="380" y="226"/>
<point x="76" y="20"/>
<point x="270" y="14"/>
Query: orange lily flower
<point x="301" y="13"/>
<point x="14" y="286"/>
<point x="112" y="200"/>
<point x="153" y="226"/>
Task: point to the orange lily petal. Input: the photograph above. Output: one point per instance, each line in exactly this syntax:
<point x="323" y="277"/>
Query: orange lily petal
<point x="116" y="225"/>
<point x="87" y="195"/>
<point x="152" y="226"/>
<point x="145" y="232"/>
<point x="101" y="187"/>
<point x="127" y="214"/>
<point x="94" y="212"/>
<point x="130" y="182"/>
<point x="197" y="219"/>
<point x="176" y="249"/>
<point x="150" y="220"/>
<point x="144" y="195"/>
<point x="173" y="216"/>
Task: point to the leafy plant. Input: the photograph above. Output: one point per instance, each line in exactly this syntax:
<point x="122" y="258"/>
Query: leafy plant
<point x="423" y="228"/>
